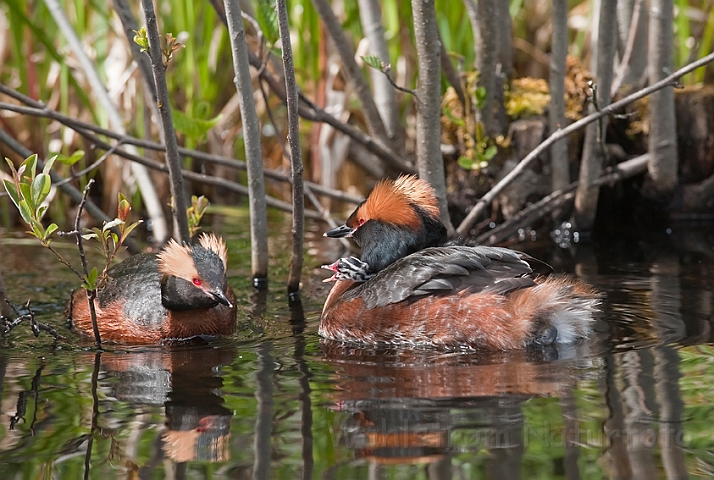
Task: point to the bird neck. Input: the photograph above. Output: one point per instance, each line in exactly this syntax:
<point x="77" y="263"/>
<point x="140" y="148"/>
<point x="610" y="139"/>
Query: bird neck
<point x="384" y="243"/>
<point x="180" y="294"/>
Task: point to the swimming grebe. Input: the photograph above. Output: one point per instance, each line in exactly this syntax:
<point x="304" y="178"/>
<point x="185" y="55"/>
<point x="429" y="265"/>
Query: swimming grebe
<point x="178" y="293"/>
<point x="447" y="296"/>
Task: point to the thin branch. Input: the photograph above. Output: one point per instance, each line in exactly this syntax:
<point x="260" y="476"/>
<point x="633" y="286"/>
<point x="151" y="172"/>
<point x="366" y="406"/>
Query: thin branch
<point x="94" y="165"/>
<point x="251" y="135"/>
<point x="173" y="161"/>
<point x="296" y="165"/>
<point x="352" y="70"/>
<point x="629" y="47"/>
<point x="558" y="199"/>
<point x="307" y="185"/>
<point x="669" y="81"/>
<point x="309" y="111"/>
<point x="36" y="326"/>
<point x="146" y="187"/>
<point x="91" y="292"/>
<point x="38" y="109"/>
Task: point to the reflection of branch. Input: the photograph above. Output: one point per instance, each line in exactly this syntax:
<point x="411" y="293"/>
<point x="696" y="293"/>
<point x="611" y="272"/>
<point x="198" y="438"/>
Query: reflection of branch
<point x="486" y="200"/>
<point x="22" y="401"/>
<point x="297" y="320"/>
<point x="264" y="417"/>
<point x="95" y="413"/>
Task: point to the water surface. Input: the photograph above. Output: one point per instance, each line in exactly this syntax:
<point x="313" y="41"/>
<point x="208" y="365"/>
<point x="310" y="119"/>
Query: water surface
<point x="276" y="402"/>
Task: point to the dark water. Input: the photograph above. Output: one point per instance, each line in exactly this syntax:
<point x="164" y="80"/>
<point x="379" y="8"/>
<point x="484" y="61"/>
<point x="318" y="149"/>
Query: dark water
<point x="274" y="402"/>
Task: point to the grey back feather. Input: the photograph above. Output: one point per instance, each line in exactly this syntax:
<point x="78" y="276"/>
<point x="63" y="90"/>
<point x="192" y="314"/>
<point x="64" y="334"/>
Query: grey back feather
<point x="446" y="270"/>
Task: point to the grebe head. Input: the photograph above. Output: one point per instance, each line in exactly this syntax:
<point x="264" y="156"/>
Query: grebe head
<point x="398" y="218"/>
<point x="194" y="276"/>
<point x="348" y="268"/>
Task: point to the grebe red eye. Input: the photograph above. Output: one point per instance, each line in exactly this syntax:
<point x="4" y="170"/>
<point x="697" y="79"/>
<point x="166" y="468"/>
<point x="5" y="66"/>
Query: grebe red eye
<point x="361" y="222"/>
<point x="197" y="282"/>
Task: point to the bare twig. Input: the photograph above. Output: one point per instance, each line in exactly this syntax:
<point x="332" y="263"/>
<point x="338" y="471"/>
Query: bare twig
<point x="190" y="175"/>
<point x="429" y="159"/>
<point x="352" y="70"/>
<point x="481" y="205"/>
<point x="629" y="47"/>
<point x="309" y="111"/>
<point x="91" y="293"/>
<point x="36" y="326"/>
<point x="94" y="165"/>
<point x="38" y="109"/>
<point x="307" y="185"/>
<point x="173" y="161"/>
<point x="558" y="199"/>
<point x="251" y="132"/>
<point x="148" y="192"/>
<point x="291" y="89"/>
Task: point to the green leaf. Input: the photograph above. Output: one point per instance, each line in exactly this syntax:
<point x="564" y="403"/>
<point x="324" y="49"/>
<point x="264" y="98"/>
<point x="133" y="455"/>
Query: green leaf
<point x="12" y="167"/>
<point x="89" y="236"/>
<point x="25" y="212"/>
<point x="490" y="152"/>
<point x="142" y="39"/>
<point x="65" y="160"/>
<point x="30" y="165"/>
<point x="373" y="61"/>
<point x="12" y="192"/>
<point x="128" y="230"/>
<point x="454" y="119"/>
<point x="194" y="128"/>
<point x="40" y="188"/>
<point x="90" y="281"/>
<point x="112" y="224"/>
<point x="48" y="165"/>
<point x="51" y="229"/>
<point x="267" y="18"/>
<point x="123" y="208"/>
<point x="38" y="231"/>
<point x="465" y="163"/>
<point x="480" y="97"/>
<point x="26" y="195"/>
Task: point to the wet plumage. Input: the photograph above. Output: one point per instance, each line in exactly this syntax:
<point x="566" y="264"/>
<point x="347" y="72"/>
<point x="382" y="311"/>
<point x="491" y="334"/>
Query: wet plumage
<point x="180" y="293"/>
<point x="456" y="297"/>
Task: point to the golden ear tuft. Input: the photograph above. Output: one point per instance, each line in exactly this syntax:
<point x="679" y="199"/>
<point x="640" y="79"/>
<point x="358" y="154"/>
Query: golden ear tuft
<point x="390" y="205"/>
<point x="175" y="260"/>
<point x="395" y="202"/>
<point x="211" y="242"/>
<point x="419" y="192"/>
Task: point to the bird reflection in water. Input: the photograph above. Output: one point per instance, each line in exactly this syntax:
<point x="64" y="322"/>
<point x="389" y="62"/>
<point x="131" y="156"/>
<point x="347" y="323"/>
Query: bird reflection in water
<point x="184" y="380"/>
<point x="407" y="405"/>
